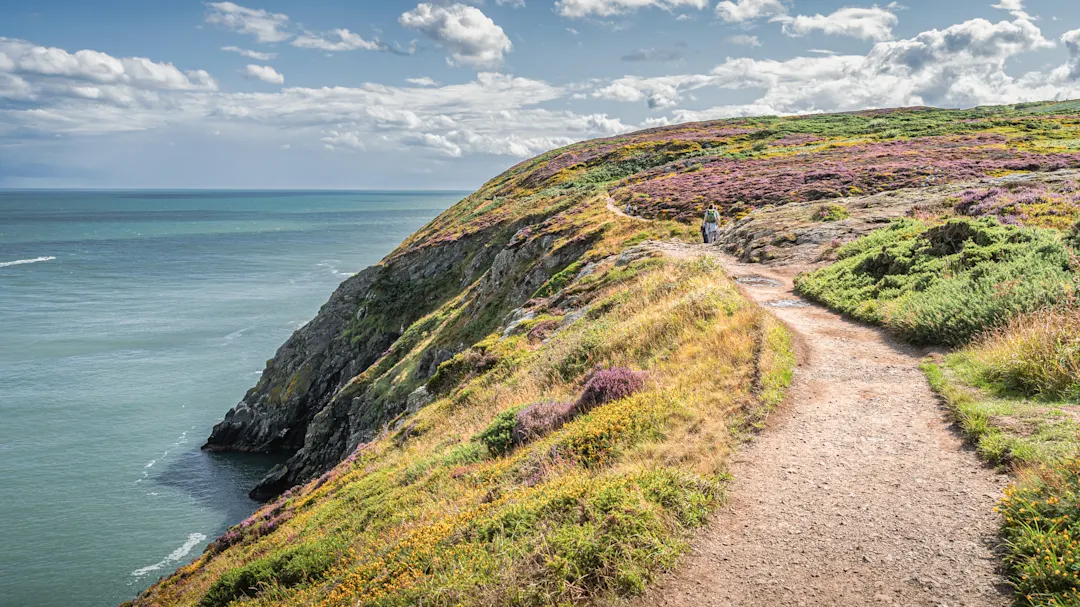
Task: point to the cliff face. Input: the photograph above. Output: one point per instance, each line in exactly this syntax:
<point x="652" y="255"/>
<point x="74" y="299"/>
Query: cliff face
<point x="320" y="396"/>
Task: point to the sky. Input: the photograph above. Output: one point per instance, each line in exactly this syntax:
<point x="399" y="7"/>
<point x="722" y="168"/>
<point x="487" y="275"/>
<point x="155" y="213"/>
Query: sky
<point x="365" y="94"/>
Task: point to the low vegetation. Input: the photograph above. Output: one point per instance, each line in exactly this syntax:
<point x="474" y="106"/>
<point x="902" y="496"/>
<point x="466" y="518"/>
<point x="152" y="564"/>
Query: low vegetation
<point x="830" y="212"/>
<point x="945" y="283"/>
<point x="572" y="475"/>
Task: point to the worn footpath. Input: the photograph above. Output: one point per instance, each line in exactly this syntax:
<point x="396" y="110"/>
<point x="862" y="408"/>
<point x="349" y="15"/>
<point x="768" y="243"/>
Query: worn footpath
<point x="859" y="492"/>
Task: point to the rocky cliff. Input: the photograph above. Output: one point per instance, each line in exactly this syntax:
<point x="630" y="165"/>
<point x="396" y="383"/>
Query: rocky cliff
<point x="320" y="396"/>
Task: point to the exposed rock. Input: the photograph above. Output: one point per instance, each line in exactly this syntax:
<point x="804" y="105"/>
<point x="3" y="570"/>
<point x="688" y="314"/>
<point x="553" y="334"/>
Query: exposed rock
<point x="275" y="482"/>
<point x="515" y="320"/>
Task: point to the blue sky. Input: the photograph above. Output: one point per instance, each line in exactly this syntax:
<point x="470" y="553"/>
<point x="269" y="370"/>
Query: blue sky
<point x="408" y="95"/>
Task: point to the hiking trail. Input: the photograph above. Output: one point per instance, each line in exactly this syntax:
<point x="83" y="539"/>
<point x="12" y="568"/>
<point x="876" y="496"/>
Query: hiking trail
<point x="858" y="492"/>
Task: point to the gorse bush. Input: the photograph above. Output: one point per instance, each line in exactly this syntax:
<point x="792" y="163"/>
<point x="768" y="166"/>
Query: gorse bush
<point x="947" y="283"/>
<point x="1042" y="531"/>
<point x="499" y="436"/>
<point x="1033" y="354"/>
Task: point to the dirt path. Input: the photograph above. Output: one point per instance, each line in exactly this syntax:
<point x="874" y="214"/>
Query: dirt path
<point x="615" y="209"/>
<point x="858" y="493"/>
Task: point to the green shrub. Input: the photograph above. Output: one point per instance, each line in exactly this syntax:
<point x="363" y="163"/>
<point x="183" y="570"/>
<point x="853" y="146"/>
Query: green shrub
<point x="499" y="436"/>
<point x="290" y="568"/>
<point x="1073" y="236"/>
<point x="947" y="283"/>
<point x="830" y="212"/>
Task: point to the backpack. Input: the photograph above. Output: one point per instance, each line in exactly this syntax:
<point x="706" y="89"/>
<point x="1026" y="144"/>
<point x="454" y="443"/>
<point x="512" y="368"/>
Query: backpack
<point x="712" y="216"/>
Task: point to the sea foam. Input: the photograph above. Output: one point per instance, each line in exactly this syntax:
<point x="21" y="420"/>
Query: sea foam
<point x="19" y="262"/>
<point x="174" y="556"/>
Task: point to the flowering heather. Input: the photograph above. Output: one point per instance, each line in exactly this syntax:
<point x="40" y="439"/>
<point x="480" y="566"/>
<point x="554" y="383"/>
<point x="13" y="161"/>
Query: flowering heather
<point x="737" y="186"/>
<point x="540" y="418"/>
<point x="606" y="385"/>
<point x="1023" y="203"/>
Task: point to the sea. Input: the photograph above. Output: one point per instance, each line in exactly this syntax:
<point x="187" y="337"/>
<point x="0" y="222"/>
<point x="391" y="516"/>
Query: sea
<point x="130" y="322"/>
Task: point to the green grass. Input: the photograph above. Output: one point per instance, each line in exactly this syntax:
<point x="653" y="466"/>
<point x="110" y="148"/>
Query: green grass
<point x="944" y="284"/>
<point x="1039" y="438"/>
<point x="1006" y="428"/>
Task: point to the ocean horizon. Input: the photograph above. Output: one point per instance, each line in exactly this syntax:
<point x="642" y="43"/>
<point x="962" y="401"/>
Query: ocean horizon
<point x="133" y="319"/>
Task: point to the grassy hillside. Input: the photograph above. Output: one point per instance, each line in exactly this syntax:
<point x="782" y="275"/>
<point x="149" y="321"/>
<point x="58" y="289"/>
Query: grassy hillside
<point x="527" y="404"/>
<point x="474" y="500"/>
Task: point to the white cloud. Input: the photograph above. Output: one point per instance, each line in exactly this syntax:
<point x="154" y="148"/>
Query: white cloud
<point x="960" y="66"/>
<point x="61" y="93"/>
<point x="657" y="92"/>
<point x="78" y="70"/>
<point x="749" y="10"/>
<point x="337" y="40"/>
<point x="333" y="139"/>
<point x="467" y="34"/>
<point x="864" y="23"/>
<point x="1070" y="72"/>
<point x="1015" y="8"/>
<point x="249" y="53"/>
<point x="578" y="9"/>
<point x="264" y="25"/>
<point x="265" y="73"/>
<point x="744" y="40"/>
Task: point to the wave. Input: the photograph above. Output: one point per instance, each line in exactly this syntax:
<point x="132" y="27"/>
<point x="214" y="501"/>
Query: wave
<point x="179" y="441"/>
<point x="174" y="556"/>
<point x="19" y="262"/>
<point x="329" y="264"/>
<point x="236" y="334"/>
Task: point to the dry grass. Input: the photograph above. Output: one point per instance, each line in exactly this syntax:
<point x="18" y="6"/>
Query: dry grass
<point x="1035" y="354"/>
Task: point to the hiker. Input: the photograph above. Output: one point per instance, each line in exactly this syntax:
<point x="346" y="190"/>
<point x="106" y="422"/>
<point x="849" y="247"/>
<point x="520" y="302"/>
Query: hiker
<point x="629" y="208"/>
<point x="710" y="228"/>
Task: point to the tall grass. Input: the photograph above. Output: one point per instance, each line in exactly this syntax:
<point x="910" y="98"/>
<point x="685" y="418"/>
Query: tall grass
<point x="1034" y="354"/>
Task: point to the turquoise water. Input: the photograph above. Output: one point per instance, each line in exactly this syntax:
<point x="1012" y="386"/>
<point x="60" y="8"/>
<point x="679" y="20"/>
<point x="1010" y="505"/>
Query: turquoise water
<point x="129" y="323"/>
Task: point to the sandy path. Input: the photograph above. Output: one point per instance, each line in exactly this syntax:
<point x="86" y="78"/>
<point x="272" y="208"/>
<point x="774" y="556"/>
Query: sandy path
<point x="858" y="492"/>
